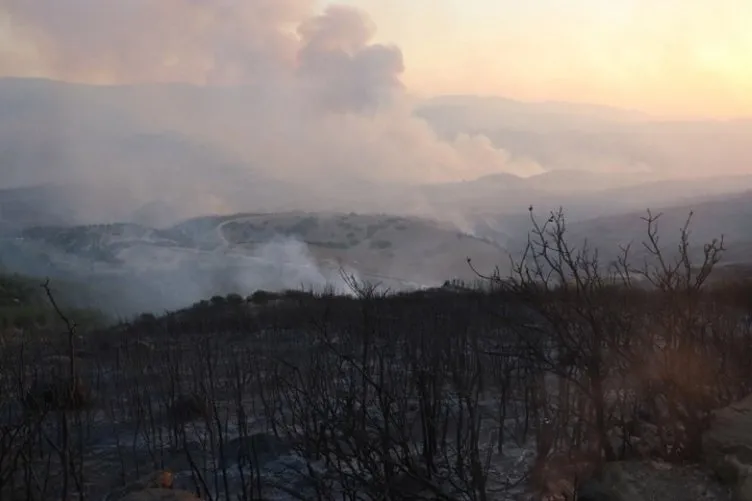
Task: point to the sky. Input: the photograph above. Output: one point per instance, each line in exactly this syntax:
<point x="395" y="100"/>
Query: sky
<point x="667" y="57"/>
<point x="662" y="56"/>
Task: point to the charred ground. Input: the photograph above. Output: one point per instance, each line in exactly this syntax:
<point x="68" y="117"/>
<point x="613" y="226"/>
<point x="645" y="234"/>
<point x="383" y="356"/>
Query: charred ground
<point x="519" y="385"/>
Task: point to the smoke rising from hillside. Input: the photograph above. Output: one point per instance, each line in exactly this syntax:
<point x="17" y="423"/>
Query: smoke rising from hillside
<point x="282" y="263"/>
<point x="154" y="279"/>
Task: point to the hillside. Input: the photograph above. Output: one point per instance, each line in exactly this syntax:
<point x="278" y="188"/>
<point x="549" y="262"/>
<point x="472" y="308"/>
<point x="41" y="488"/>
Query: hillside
<point x="159" y="269"/>
<point x="140" y="268"/>
<point x="727" y="216"/>
<point x="373" y="243"/>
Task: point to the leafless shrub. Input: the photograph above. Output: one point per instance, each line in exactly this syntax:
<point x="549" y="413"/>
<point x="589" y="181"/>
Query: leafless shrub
<point x="623" y="346"/>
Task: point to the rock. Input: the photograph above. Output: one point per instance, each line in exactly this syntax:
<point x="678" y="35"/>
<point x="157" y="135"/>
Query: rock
<point x="613" y="484"/>
<point x="729" y="470"/>
<point x="727" y="444"/>
<point x="159" y="495"/>
<point x="731" y="431"/>
<point x="743" y="489"/>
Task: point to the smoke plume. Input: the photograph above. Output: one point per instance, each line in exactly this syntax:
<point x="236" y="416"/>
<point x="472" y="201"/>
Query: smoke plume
<point x="276" y="91"/>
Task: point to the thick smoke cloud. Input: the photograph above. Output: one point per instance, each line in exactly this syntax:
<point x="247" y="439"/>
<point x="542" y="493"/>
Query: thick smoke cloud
<point x="289" y="91"/>
<point x="345" y="72"/>
<point x="199" y="41"/>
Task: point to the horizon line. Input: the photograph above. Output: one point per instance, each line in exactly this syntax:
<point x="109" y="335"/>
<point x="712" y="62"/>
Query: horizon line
<point x="641" y="114"/>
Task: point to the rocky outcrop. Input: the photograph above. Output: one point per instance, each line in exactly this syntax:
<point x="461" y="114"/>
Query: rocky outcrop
<point x="727" y="447"/>
<point x="730" y="432"/>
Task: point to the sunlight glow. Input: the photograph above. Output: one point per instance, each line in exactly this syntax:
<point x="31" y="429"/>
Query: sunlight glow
<point x="670" y="57"/>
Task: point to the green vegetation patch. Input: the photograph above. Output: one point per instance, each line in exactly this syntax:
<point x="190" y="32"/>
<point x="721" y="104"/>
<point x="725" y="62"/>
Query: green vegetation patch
<point x="24" y="305"/>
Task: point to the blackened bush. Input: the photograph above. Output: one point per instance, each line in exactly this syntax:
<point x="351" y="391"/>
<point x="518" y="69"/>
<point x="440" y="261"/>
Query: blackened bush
<point x="58" y="396"/>
<point x="234" y="299"/>
<point x="261" y="297"/>
<point x="189" y="408"/>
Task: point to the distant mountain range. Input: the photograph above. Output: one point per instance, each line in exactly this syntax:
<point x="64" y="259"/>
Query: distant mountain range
<point x="500" y="201"/>
<point x="729" y="217"/>
<point x="566" y="136"/>
<point x="145" y="189"/>
<point x="726" y="216"/>
<point x="157" y="154"/>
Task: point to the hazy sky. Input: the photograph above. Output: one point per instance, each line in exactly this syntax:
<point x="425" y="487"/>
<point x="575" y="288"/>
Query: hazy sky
<point x="675" y="56"/>
<point x="682" y="57"/>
